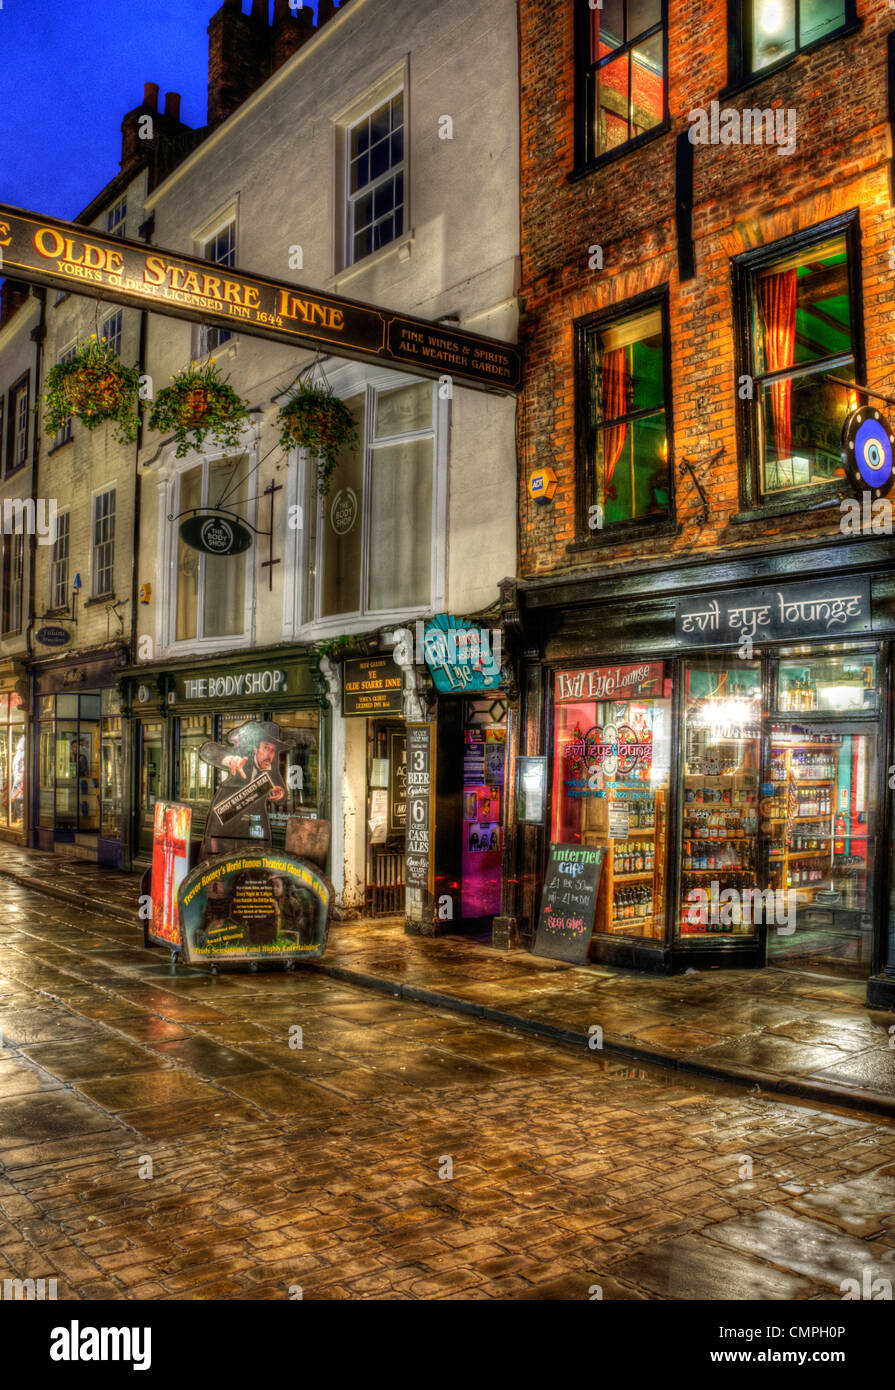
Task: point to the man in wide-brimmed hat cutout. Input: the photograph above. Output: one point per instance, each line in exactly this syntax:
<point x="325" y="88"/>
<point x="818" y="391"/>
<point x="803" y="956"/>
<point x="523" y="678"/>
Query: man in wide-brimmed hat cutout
<point x="252" y="757"/>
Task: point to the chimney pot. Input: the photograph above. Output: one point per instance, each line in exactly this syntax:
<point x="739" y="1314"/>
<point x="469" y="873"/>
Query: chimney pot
<point x="172" y="105"/>
<point x="261" y="11"/>
<point x="150" y="95"/>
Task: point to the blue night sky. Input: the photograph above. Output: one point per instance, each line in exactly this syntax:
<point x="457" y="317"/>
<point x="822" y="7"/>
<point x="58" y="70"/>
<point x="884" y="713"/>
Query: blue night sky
<point x="68" y="75"/>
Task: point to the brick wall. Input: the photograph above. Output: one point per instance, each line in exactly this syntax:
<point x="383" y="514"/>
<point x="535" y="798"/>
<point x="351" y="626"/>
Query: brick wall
<point x="744" y="196"/>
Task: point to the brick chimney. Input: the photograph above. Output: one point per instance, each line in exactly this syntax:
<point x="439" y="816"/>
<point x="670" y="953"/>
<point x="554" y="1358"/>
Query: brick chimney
<point x="239" y="56"/>
<point x="13" y="295"/>
<point x="290" y="31"/>
<point x="131" y="144"/>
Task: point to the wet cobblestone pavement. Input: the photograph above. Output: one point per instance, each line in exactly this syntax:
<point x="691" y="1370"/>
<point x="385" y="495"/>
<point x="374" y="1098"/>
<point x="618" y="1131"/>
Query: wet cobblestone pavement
<point x="326" y="1167"/>
<point x="809" y="1035"/>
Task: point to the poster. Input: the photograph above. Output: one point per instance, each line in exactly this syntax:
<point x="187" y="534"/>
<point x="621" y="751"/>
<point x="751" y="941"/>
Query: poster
<point x="170" y="862"/>
<point x="252" y="906"/>
<point x="378" y="816"/>
<point x="568" y="902"/>
<point x="419" y="847"/>
<point x="397" y="782"/>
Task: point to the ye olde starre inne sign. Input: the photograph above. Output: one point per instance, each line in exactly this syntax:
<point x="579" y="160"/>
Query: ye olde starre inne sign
<point x="68" y="257"/>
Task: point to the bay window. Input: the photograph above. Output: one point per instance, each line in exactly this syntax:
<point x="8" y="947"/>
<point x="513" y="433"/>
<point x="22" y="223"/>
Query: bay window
<point x="209" y="598"/>
<point x="371" y="544"/>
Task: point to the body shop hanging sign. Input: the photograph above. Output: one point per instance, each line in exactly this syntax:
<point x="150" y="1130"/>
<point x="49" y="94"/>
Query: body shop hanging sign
<point x="215" y="535"/>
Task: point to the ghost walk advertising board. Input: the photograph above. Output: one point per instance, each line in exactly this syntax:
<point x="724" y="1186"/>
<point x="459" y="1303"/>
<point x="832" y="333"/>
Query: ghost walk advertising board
<point x="250" y="907"/>
<point x="76" y="259"/>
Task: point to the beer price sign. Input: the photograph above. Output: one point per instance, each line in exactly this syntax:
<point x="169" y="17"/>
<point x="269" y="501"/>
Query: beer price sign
<point x="69" y="257"/>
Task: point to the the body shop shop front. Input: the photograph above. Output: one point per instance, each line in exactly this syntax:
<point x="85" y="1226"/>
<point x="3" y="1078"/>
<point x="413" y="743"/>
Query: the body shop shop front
<point x="178" y="709"/>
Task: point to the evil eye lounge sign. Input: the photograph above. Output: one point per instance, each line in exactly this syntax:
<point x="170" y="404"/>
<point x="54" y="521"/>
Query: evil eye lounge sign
<point x="461" y="657"/>
<point x="824" y="609"/>
<point x="215" y="535"/>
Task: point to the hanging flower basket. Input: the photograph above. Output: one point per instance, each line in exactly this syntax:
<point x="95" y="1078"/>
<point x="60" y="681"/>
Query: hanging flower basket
<point x="94" y="387"/>
<point x="316" y="420"/>
<point x="199" y="404"/>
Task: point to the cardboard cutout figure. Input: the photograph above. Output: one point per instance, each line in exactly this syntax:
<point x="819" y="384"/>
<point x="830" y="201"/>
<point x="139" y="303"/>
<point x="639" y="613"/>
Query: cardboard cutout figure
<point x="238" y="816"/>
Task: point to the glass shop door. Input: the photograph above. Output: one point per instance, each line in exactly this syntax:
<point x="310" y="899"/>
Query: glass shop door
<point x="818" y="820"/>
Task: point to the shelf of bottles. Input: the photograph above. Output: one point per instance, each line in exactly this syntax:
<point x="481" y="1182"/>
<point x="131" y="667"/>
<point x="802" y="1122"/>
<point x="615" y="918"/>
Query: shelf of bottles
<point x="635" y="862"/>
<point x="798" y="821"/>
<point x="720" y="822"/>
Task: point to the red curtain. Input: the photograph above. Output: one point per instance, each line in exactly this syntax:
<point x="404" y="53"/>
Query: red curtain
<point x="778" y="307"/>
<point x="614" y="404"/>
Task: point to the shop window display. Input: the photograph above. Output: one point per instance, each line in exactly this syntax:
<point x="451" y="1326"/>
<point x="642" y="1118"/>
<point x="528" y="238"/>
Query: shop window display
<point x="196" y="778"/>
<point x="720" y="801"/>
<point x="110" y="759"/>
<point x="806" y="684"/>
<point x="820" y="823"/>
<point x="300" y="769"/>
<point x="610" y="787"/>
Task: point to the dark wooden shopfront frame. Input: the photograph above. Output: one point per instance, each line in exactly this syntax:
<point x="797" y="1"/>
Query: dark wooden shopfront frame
<point x="570" y="624"/>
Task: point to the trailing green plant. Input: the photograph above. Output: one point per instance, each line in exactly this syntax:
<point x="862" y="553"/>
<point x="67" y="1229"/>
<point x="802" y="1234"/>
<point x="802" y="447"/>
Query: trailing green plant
<point x="333" y="646"/>
<point x="95" y="387"/>
<point x="316" y="420"/>
<point x="199" y="403"/>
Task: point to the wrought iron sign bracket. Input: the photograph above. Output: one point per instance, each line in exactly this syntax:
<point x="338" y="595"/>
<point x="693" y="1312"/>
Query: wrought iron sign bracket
<point x="686" y="466"/>
<point x="270" y="491"/>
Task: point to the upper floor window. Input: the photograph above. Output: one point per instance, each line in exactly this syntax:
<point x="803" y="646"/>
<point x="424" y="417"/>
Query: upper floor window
<point x="65" y="433"/>
<point x="112" y="331"/>
<point x="59" y="563"/>
<point x="17" y="448"/>
<point x="116" y="217"/>
<point x="371" y="548"/>
<point x="801" y="328"/>
<point x="210" y="594"/>
<point x="376" y="179"/>
<point x="772" y="30"/>
<point x="623" y="73"/>
<point x="624" y="365"/>
<point x="221" y="250"/>
<point x="103" y="557"/>
<point x="13" y="573"/>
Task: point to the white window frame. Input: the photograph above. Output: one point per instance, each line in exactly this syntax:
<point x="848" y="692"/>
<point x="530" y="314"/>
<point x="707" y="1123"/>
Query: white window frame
<point x="95" y="591"/>
<point x="204" y="347"/>
<point x="13" y="550"/>
<point x="116" y="224"/>
<point x="116" y="338"/>
<point x="63" y="532"/>
<point x="346" y="381"/>
<point x="168" y="506"/>
<point x="349" y="259"/>
<point x="66" y="433"/>
<point x="20" y="419"/>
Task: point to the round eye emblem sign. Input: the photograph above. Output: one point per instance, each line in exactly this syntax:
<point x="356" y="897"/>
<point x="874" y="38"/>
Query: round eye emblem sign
<point x="867" y="450"/>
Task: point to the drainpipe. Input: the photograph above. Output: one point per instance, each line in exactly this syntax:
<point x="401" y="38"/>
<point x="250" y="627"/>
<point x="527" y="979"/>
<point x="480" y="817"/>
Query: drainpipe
<point x="129" y="770"/>
<point x="38" y="334"/>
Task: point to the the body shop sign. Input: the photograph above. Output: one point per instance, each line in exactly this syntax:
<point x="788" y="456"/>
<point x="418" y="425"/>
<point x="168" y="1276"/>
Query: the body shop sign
<point x="611" y="683"/>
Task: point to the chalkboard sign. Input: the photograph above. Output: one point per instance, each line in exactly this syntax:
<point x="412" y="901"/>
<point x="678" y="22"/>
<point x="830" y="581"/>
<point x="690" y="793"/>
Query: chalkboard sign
<point x="568" y="902"/>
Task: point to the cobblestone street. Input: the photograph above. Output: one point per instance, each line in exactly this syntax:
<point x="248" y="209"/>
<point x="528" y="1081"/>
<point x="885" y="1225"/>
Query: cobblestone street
<point x="328" y="1167"/>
